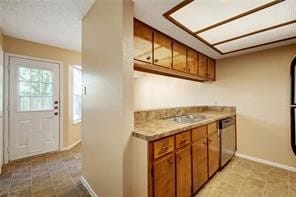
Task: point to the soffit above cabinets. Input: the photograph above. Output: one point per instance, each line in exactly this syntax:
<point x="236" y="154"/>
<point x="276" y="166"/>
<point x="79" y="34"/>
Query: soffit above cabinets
<point x="229" y="26"/>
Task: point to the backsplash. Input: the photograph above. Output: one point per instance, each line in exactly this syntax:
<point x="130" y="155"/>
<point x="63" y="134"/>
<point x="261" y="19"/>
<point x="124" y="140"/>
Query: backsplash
<point x="178" y="111"/>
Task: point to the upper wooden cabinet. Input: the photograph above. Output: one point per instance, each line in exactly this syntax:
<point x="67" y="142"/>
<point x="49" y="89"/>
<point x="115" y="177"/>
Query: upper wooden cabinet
<point x="158" y="53"/>
<point x="192" y="61"/>
<point x="211" y="68"/>
<point x="179" y="56"/>
<point x="164" y="177"/>
<point x="162" y="50"/>
<point x="143" y="36"/>
<point x="203" y="65"/>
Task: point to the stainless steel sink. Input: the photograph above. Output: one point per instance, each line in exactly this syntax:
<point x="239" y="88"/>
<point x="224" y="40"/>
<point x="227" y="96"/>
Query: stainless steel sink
<point x="188" y="118"/>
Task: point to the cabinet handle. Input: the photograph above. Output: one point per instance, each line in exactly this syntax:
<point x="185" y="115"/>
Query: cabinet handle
<point x="188" y="69"/>
<point x="156" y="60"/>
<point x="179" y="158"/>
<point x="183" y="141"/>
<point x="210" y="141"/>
<point x="148" y="58"/>
<point x="205" y="143"/>
<point x="170" y="162"/>
<point x="164" y="149"/>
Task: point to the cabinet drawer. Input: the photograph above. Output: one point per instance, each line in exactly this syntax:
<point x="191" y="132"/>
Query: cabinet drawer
<point x="212" y="128"/>
<point x="163" y="146"/>
<point x="199" y="132"/>
<point x="182" y="139"/>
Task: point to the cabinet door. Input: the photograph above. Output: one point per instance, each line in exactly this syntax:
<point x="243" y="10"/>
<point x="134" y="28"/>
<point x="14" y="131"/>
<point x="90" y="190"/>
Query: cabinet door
<point x="164" y="177"/>
<point x="162" y="50"/>
<point x="192" y="61"/>
<point x="142" y="42"/>
<point x="203" y="65"/>
<point x="199" y="163"/>
<point x="183" y="164"/>
<point x="214" y="153"/>
<point x="179" y="56"/>
<point x="211" y="68"/>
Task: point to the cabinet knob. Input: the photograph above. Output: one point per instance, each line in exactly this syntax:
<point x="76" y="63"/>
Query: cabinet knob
<point x="156" y="60"/>
<point x="170" y="162"/>
<point x="148" y="58"/>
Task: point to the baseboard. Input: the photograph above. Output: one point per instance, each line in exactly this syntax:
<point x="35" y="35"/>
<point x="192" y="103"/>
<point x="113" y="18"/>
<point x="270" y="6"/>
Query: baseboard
<point x="271" y="163"/>
<point x="72" y="145"/>
<point x="88" y="187"/>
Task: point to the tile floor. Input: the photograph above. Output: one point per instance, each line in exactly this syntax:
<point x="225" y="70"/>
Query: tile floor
<point x="244" y="178"/>
<point x="53" y="174"/>
<point x="57" y="174"/>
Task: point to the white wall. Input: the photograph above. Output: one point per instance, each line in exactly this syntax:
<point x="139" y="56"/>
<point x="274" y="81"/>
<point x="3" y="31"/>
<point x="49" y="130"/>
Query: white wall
<point x="257" y="84"/>
<point x="156" y="91"/>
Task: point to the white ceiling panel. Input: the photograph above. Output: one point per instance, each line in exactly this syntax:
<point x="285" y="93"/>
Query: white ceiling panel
<point x="258" y="39"/>
<point x="268" y="17"/>
<point x="201" y="14"/>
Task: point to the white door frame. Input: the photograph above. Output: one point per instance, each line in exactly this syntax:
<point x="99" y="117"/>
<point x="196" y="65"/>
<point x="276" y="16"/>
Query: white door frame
<point x="6" y="100"/>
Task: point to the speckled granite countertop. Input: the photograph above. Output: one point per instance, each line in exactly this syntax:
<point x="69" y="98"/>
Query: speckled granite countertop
<point x="158" y="128"/>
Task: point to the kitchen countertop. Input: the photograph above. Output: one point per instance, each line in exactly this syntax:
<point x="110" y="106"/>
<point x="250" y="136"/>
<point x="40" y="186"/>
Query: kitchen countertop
<point x="151" y="130"/>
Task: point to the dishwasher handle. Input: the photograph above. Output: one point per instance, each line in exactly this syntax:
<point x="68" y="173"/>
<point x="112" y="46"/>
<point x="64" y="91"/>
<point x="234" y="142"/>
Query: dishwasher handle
<point x="227" y="122"/>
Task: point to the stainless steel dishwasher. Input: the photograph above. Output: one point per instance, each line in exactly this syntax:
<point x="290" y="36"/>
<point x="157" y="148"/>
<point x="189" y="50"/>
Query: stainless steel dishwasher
<point x="227" y="140"/>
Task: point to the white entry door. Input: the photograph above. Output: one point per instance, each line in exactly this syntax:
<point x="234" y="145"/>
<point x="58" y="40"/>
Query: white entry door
<point x="34" y="107"/>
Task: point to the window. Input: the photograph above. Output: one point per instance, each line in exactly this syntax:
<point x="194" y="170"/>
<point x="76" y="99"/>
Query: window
<point x="35" y="89"/>
<point x="77" y="93"/>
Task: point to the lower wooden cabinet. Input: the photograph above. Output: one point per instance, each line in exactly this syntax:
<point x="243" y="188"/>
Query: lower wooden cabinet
<point x="164" y="177"/>
<point x="183" y="172"/>
<point x="214" y="153"/>
<point x="181" y="164"/>
<point x="199" y="163"/>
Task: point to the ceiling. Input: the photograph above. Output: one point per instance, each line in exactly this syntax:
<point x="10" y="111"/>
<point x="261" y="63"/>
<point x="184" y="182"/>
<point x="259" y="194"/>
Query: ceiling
<point x="52" y="22"/>
<point x="213" y="28"/>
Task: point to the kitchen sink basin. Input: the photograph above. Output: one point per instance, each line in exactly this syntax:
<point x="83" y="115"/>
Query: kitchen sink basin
<point x="188" y="118"/>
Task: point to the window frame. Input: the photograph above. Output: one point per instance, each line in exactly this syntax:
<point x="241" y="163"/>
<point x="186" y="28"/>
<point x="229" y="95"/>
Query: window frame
<point x="75" y="67"/>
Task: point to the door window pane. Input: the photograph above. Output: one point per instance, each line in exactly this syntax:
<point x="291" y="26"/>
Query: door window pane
<point x="35" y="89"/>
<point x="36" y="75"/>
<point x="47" y="76"/>
<point x="24" y="104"/>
<point x="47" y="103"/>
<point x="24" y="88"/>
<point x="47" y="89"/>
<point x="24" y="74"/>
<point x="36" y="103"/>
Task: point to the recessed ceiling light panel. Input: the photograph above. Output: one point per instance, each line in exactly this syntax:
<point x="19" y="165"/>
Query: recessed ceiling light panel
<point x="270" y="17"/>
<point x="201" y="14"/>
<point x="281" y="33"/>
